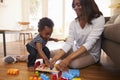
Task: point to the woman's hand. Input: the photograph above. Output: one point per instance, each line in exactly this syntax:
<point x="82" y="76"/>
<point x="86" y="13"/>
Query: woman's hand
<point x="63" y="65"/>
<point x="52" y="63"/>
<point x="59" y="54"/>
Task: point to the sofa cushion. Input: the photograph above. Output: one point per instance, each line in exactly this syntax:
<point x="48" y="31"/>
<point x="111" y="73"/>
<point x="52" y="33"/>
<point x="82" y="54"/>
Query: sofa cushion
<point x="112" y="32"/>
<point x="117" y="20"/>
<point x="112" y="19"/>
<point x="112" y="49"/>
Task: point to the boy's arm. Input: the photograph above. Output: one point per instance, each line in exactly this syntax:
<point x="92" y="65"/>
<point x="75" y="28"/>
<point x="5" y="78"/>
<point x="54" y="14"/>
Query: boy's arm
<point x="53" y="39"/>
<point x="56" y="40"/>
<point x="42" y="54"/>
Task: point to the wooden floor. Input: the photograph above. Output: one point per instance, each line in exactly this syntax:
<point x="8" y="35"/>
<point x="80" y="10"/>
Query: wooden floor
<point x="105" y="70"/>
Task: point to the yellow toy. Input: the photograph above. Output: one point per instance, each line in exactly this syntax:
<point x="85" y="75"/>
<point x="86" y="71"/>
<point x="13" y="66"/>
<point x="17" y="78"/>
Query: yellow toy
<point x="12" y="71"/>
<point x="76" y="79"/>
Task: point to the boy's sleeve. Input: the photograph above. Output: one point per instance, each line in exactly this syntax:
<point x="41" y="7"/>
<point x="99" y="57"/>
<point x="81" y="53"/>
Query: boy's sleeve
<point x="39" y="40"/>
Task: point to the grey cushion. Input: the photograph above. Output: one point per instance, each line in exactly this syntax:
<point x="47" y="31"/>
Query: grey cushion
<point x="112" y="32"/>
<point x="112" y="19"/>
<point x="117" y="20"/>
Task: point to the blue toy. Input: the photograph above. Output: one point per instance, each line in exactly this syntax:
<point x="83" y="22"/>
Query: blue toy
<point x="67" y="75"/>
<point x="44" y="77"/>
<point x="74" y="72"/>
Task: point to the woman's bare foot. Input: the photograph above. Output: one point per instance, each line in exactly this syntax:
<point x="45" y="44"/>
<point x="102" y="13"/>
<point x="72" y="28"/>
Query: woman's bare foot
<point x="30" y="68"/>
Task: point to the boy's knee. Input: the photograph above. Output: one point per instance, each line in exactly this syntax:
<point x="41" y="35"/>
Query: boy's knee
<point x="47" y="52"/>
<point x="33" y="54"/>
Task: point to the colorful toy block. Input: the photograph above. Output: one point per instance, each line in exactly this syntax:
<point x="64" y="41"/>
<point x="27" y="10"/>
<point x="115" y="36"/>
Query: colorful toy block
<point x="38" y="62"/>
<point x="67" y="75"/>
<point x="54" y="77"/>
<point x="44" y="77"/>
<point x="63" y="78"/>
<point x="36" y="65"/>
<point x="37" y="73"/>
<point x="76" y="79"/>
<point x="74" y="72"/>
<point x="12" y="71"/>
<point x="35" y="78"/>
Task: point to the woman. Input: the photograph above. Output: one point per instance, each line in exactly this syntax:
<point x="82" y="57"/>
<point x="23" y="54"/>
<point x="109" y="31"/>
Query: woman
<point x="83" y="45"/>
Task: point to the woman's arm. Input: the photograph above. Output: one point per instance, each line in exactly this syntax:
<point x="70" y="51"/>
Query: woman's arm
<point x="75" y="54"/>
<point x="62" y="66"/>
<point x="57" y="57"/>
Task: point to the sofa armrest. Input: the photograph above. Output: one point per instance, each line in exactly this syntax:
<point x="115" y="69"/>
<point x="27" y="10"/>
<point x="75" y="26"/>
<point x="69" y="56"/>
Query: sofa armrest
<point x="112" y="32"/>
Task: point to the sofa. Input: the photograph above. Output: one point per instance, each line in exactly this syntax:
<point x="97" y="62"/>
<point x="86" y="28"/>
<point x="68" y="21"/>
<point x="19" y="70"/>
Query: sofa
<point x="111" y="39"/>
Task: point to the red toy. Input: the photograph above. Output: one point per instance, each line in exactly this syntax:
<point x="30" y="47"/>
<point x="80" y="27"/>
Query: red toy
<point x="36" y="65"/>
<point x="63" y="78"/>
<point x="54" y="77"/>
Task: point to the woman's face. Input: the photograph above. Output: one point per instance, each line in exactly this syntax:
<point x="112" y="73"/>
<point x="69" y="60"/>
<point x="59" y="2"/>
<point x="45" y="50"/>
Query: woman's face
<point x="77" y="7"/>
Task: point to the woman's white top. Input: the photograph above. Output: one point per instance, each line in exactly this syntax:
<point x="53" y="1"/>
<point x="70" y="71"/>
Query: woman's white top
<point x="89" y="37"/>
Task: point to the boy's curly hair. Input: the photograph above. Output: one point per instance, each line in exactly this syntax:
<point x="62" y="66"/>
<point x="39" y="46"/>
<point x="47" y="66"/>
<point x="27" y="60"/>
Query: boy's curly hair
<point x="45" y="22"/>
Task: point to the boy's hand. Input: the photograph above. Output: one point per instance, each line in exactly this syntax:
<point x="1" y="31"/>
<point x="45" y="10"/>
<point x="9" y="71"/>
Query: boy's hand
<point x="47" y="63"/>
<point x="56" y="40"/>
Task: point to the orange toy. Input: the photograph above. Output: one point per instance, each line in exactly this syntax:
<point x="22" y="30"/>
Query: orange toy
<point x="12" y="71"/>
<point x="35" y="78"/>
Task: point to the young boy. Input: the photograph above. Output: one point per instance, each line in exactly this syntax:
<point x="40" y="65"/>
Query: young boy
<point x="37" y="47"/>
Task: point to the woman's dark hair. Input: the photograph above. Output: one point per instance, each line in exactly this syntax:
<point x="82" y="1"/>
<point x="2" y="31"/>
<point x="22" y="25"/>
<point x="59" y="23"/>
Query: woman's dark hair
<point x="45" y="22"/>
<point x="90" y="10"/>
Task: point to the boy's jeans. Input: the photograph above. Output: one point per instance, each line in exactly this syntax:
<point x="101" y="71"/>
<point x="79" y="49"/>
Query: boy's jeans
<point x="33" y="54"/>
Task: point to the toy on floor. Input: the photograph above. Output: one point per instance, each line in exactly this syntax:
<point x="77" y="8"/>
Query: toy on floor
<point x="38" y="62"/>
<point x="66" y="75"/>
<point x="44" y="77"/>
<point x="35" y="78"/>
<point x="44" y="68"/>
<point x="40" y="66"/>
<point x="36" y="65"/>
<point x="37" y="73"/>
<point x="71" y="74"/>
<point x="12" y="71"/>
<point x="74" y="72"/>
<point x="76" y="79"/>
<point x="63" y="78"/>
<point x="54" y="77"/>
